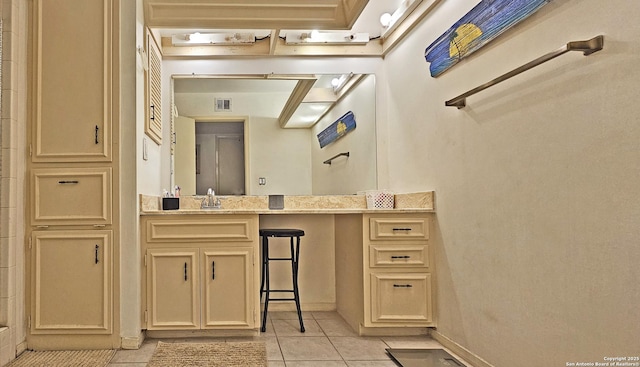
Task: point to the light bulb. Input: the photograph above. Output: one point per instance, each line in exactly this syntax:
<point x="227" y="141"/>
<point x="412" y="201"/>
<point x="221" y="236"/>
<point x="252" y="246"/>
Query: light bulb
<point x="385" y="19"/>
<point x="335" y="82"/>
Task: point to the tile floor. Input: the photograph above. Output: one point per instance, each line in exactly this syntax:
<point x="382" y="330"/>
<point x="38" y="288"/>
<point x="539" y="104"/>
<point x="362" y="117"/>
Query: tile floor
<point x="327" y="342"/>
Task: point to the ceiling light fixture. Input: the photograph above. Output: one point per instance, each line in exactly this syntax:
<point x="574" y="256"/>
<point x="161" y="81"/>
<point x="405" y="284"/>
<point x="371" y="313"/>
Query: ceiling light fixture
<point x="398" y="16"/>
<point x="204" y="39"/>
<point x="327" y="38"/>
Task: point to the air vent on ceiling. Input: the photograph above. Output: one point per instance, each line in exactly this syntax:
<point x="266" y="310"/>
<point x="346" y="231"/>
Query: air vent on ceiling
<point x="223" y="104"/>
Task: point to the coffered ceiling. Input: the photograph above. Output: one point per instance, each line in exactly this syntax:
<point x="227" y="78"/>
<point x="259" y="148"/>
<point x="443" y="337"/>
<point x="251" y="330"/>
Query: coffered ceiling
<point x="254" y="14"/>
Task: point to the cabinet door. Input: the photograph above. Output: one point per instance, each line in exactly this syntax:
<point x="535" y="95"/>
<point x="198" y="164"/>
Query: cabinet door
<point x="172" y="289"/>
<point x="71" y="75"/>
<point x="401" y="298"/>
<point x="228" y="292"/>
<point x="71" y="276"/>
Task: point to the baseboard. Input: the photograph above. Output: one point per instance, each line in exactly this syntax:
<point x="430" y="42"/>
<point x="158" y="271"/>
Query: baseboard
<point x="310" y="307"/>
<point x="21" y="347"/>
<point x="392" y="331"/>
<point x="162" y="334"/>
<point x="131" y="342"/>
<point x="459" y="350"/>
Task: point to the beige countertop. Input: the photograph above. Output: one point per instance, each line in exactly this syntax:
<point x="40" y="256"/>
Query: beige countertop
<point x="420" y="202"/>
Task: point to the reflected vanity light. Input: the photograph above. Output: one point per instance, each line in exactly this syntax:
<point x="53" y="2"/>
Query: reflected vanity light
<point x="339" y="83"/>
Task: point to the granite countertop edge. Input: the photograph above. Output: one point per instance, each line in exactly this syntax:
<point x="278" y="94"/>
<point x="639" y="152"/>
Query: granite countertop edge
<point x="283" y="211"/>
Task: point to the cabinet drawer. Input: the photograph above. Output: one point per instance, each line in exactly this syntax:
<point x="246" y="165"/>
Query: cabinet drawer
<point x="398" y="229"/>
<point x="76" y="196"/>
<point x="202" y="230"/>
<point x="399" y="256"/>
<point x="401" y="298"/>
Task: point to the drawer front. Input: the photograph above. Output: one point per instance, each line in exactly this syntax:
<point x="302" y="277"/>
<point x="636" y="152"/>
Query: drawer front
<point x="398" y="229"/>
<point x="401" y="299"/>
<point x="77" y="196"/>
<point x="399" y="256"/>
<point x="202" y="230"/>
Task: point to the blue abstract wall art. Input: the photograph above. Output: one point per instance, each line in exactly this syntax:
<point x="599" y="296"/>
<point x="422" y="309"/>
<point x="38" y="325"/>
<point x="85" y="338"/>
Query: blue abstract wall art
<point x="337" y="129"/>
<point x="483" y="23"/>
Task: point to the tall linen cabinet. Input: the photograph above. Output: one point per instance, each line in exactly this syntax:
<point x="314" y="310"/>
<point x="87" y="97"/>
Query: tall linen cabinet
<point x="73" y="174"/>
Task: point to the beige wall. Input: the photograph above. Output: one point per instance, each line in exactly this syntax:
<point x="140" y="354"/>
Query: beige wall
<point x="536" y="183"/>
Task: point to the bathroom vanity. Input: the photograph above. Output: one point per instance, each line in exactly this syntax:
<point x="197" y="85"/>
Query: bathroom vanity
<point x="202" y="269"/>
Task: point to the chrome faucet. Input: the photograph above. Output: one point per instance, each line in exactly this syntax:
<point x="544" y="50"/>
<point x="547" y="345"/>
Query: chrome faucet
<point x="211" y="201"/>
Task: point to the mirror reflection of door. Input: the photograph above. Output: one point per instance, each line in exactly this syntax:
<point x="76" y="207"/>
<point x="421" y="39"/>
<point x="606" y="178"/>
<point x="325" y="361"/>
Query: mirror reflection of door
<point x="230" y="164"/>
<point x="220" y="161"/>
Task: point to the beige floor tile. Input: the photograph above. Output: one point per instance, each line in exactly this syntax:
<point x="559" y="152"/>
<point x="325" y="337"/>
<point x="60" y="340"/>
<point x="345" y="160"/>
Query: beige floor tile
<point x="336" y="327"/>
<point x="288" y="315"/>
<point x="323" y="315"/>
<point x="127" y="364"/>
<point x="275" y="364"/>
<point x="360" y="349"/>
<point x="273" y="349"/>
<point x="291" y="327"/>
<point x="308" y="349"/>
<point x="142" y="355"/>
<point x="269" y="330"/>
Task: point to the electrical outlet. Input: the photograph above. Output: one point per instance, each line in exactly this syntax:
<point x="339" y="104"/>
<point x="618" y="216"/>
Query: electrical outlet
<point x="262" y="181"/>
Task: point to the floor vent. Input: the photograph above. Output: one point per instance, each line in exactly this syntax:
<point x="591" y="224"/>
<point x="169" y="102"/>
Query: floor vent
<point x="223" y="104"/>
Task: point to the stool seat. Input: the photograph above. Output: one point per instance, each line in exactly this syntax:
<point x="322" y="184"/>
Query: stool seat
<point x="281" y="232"/>
<point x="265" y="288"/>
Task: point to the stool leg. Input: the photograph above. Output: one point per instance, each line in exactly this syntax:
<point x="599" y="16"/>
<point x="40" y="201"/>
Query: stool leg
<point x="263" y="265"/>
<point x="265" y="252"/>
<point x="295" y="256"/>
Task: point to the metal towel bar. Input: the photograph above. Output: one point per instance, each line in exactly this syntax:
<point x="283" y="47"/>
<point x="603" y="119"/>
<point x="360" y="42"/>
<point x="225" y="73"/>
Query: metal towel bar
<point x="587" y="47"/>
<point x="328" y="161"/>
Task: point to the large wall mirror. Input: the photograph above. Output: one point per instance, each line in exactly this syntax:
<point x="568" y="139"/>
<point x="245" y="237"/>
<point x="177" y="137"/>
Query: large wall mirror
<point x="257" y="134"/>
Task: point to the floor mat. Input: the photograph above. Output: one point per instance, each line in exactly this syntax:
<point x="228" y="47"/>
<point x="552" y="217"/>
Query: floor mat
<point x="229" y="354"/>
<point x="423" y="358"/>
<point x="63" y="358"/>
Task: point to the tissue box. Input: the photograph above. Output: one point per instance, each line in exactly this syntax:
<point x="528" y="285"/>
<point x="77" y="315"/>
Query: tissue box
<point x="170" y="203"/>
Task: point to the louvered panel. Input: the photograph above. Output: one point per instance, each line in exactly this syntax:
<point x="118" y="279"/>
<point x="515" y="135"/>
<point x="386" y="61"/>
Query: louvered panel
<point x="153" y="127"/>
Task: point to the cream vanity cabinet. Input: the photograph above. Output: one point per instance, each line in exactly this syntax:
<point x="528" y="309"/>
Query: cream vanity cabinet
<point x="73" y="74"/>
<point x="398" y="277"/>
<point x="200" y="272"/>
<point x="395" y="272"/>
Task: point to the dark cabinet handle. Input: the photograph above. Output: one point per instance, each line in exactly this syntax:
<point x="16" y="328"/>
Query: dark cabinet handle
<point x="68" y="182"/>
<point x="185" y="272"/>
<point x="402" y="229"/>
<point x="401" y="257"/>
<point x="213" y="270"/>
<point x="402" y="286"/>
<point x="97" y="129"/>
<point x="153" y="112"/>
<point x="97" y="249"/>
